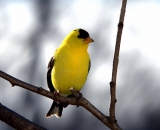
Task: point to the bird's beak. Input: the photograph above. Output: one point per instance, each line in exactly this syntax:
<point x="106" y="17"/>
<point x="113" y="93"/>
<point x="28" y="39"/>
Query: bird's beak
<point x="89" y="40"/>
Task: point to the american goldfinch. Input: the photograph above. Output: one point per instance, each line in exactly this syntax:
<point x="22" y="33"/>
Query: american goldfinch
<point x="69" y="67"/>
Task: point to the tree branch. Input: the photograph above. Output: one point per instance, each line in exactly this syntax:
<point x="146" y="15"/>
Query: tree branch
<point x="115" y="63"/>
<point x="73" y="101"/>
<point x="16" y="121"/>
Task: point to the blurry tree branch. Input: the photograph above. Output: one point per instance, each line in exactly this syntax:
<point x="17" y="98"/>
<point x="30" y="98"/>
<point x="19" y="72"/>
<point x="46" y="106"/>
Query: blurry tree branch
<point x="16" y="121"/>
<point x="115" y="63"/>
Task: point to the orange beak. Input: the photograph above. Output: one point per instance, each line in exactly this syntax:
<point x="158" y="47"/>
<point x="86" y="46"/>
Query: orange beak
<point x="89" y="40"/>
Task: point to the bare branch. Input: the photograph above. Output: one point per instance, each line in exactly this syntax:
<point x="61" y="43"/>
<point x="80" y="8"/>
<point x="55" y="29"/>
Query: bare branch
<point x="115" y="63"/>
<point x="35" y="89"/>
<point x="73" y="101"/>
<point x="16" y="121"/>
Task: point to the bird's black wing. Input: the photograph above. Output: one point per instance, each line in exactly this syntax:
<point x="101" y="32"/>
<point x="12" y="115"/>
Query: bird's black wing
<point x="89" y="66"/>
<point x="49" y="82"/>
<point x="56" y="107"/>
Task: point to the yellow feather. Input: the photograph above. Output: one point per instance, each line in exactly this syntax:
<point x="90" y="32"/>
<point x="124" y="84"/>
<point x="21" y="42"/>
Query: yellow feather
<point x="70" y="65"/>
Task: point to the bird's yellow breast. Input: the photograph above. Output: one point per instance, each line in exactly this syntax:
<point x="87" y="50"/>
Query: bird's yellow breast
<point x="70" y="69"/>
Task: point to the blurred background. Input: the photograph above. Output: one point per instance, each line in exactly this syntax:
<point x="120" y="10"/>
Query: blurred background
<point x="30" y="32"/>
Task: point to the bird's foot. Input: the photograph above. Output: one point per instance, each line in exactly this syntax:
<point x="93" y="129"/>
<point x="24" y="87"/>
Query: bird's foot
<point x="76" y="94"/>
<point x="63" y="104"/>
<point x="56" y="94"/>
<point x="79" y="96"/>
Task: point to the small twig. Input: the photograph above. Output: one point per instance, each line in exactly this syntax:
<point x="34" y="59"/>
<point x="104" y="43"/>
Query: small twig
<point x="16" y="121"/>
<point x="115" y="63"/>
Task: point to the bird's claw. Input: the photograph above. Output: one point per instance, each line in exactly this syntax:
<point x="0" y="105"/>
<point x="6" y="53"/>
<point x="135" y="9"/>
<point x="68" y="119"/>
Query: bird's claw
<point x="56" y="94"/>
<point x="78" y="97"/>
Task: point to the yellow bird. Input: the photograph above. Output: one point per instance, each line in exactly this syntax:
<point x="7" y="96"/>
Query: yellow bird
<point x="69" y="67"/>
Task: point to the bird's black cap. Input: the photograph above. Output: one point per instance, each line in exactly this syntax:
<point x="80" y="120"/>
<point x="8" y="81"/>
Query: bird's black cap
<point x="83" y="34"/>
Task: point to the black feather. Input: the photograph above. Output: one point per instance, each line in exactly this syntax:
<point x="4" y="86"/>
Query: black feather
<point x="55" y="104"/>
<point x="49" y="82"/>
<point x="83" y="34"/>
<point x="51" y="88"/>
<point x="89" y="66"/>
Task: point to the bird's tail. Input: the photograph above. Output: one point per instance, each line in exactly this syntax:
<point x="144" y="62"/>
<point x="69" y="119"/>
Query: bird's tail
<point x="56" y="109"/>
